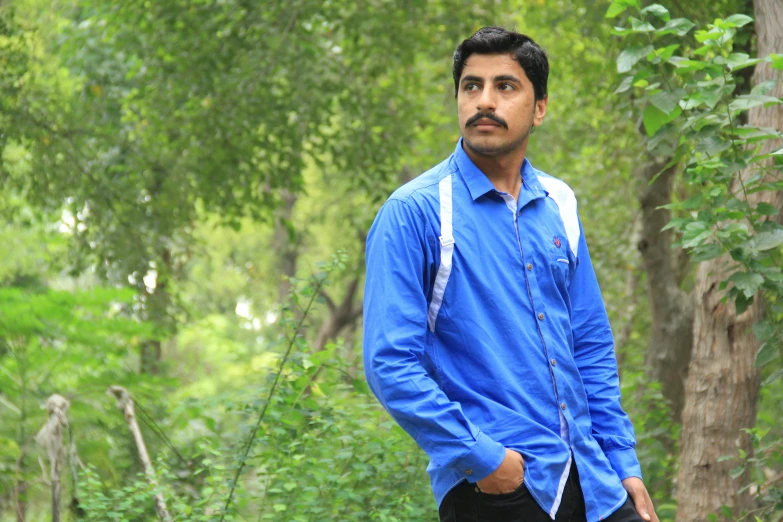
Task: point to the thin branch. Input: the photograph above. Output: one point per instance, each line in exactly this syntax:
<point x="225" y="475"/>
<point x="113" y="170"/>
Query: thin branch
<point x="271" y="393"/>
<point x="329" y="301"/>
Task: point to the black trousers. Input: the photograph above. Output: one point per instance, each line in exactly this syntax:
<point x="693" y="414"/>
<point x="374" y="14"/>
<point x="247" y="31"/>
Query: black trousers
<point x="465" y="503"/>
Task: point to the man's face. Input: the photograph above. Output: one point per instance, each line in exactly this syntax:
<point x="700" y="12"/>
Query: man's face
<point x="496" y="104"/>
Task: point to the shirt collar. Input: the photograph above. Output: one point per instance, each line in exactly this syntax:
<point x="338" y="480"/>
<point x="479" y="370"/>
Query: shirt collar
<point x="479" y="184"/>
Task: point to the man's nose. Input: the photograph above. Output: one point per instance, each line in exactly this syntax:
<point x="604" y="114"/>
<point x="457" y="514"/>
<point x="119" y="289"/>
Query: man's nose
<point x="487" y="101"/>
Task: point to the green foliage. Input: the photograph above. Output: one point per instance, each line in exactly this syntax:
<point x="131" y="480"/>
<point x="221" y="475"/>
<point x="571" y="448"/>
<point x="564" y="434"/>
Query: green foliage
<point x="307" y="442"/>
<point x="68" y="343"/>
<point x="656" y="438"/>
<point x="163" y="137"/>
<point x="693" y="109"/>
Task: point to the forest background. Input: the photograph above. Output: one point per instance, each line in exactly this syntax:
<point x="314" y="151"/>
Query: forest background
<point x="186" y="190"/>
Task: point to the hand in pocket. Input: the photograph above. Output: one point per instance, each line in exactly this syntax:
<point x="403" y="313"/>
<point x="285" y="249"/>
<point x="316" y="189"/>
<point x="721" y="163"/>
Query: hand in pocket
<point x="507" y="478"/>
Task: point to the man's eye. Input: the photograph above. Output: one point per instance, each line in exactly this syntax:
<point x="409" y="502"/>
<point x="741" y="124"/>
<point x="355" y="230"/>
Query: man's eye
<point x="471" y="86"/>
<point x="506" y="87"/>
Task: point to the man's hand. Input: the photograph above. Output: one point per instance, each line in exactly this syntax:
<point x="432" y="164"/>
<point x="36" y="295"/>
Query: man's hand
<point x="507" y="478"/>
<point x="641" y="499"/>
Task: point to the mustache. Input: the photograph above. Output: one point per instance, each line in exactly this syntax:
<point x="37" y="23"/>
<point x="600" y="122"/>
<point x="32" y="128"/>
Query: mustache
<point x="489" y="116"/>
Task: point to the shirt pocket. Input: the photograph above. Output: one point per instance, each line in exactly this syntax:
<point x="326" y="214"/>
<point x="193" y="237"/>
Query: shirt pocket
<point x="561" y="261"/>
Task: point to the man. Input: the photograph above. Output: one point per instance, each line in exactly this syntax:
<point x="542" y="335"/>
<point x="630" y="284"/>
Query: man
<point x="486" y="337"/>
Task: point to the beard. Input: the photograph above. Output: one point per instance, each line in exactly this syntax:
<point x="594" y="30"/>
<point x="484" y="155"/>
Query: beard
<point x="497" y="149"/>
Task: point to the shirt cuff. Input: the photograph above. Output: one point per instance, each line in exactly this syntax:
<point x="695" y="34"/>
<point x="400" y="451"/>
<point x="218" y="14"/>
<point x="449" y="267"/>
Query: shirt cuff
<point x="625" y="463"/>
<point x="485" y="457"/>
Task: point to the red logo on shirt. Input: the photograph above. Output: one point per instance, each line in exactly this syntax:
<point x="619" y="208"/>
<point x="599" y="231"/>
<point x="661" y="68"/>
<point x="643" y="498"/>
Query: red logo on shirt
<point x="557" y="242"/>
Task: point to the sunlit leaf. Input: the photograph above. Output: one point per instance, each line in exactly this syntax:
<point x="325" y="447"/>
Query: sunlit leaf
<point x="767" y="352"/>
<point x="629" y="57"/>
<point x="654" y="118"/>
<point x="678" y="26"/>
<point x="657" y="10"/>
<point x="737" y="20"/>
<point x="747" y="283"/>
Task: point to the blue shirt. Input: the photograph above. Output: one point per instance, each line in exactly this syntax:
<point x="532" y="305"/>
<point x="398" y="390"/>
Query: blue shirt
<point x="509" y="346"/>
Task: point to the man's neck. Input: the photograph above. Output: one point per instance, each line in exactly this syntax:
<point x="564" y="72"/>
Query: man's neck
<point x="503" y="171"/>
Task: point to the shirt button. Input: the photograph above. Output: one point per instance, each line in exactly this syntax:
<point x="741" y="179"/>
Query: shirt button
<point x="563" y="406"/>
<point x="554" y="362"/>
<point x="529" y="266"/>
<point x="468" y="472"/>
<point x="541" y="317"/>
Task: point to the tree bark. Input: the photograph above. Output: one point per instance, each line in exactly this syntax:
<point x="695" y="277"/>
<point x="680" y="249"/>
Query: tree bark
<point x="126" y="406"/>
<point x="669" y="348"/>
<point x="20" y="487"/>
<point x="723" y="384"/>
<point x="632" y="279"/>
<point x="285" y="244"/>
<point x="340" y="315"/>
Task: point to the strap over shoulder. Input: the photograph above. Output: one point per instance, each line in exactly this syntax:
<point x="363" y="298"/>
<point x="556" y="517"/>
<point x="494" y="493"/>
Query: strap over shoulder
<point x="446" y="251"/>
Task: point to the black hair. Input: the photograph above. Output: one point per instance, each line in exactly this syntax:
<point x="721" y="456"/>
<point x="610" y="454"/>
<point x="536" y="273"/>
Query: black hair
<point x="496" y="40"/>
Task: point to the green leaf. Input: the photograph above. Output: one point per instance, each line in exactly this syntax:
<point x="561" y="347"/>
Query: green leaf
<point x="657" y="10"/>
<point x="685" y="65"/>
<point x="641" y="26"/>
<point x="777" y="152"/>
<point x="767" y="352"/>
<point x="765" y="209"/>
<point x="763" y="330"/>
<point x="629" y="57"/>
<point x="747" y="282"/>
<point x="666" y="52"/>
<point x="737" y="61"/>
<point x="655" y="118"/>
<point x="618" y="7"/>
<point x="678" y="26"/>
<point x="667" y="101"/>
<point x="361" y="386"/>
<point x="706" y="252"/>
<point x="624" y="85"/>
<point x="767" y="240"/>
<point x="676" y="223"/>
<point x="280" y="507"/>
<point x="748" y="101"/>
<point x="774" y="377"/>
<point x="737" y="20"/>
<point x="776" y="60"/>
<point x="734" y="473"/>
<point x="763" y="87"/>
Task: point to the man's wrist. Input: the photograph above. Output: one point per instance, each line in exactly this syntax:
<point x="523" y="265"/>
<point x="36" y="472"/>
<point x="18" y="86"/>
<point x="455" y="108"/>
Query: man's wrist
<point x="625" y="463"/>
<point x="484" y="458"/>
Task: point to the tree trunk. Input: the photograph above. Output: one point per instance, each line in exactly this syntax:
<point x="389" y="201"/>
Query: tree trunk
<point x="340" y="315"/>
<point x="723" y="384"/>
<point x="20" y="487"/>
<point x="632" y="279"/>
<point x="286" y="244"/>
<point x="669" y="348"/>
<point x="158" y="302"/>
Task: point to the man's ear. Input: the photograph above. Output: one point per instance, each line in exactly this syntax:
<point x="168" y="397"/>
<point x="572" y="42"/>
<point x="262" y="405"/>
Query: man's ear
<point x="540" y="110"/>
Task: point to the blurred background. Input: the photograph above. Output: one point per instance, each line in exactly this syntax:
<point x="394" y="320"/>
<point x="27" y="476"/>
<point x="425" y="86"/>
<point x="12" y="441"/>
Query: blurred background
<point x="185" y="191"/>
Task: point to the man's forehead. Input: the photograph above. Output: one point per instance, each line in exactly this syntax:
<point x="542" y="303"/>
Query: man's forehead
<point x="492" y="65"/>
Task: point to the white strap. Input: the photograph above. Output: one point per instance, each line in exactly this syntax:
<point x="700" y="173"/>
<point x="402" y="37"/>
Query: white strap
<point x="565" y="199"/>
<point x="446" y="250"/>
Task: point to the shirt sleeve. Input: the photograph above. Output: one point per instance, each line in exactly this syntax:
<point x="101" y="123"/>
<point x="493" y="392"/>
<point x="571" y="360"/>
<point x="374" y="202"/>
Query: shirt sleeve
<point x="400" y="264"/>
<point x="595" y="358"/>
